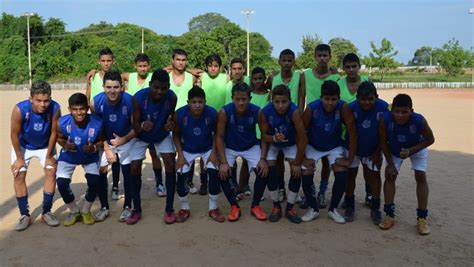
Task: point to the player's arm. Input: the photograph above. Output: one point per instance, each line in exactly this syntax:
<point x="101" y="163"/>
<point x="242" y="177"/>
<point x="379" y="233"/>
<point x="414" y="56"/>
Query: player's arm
<point x="348" y="118"/>
<point x="307" y="114"/>
<point x="213" y="157"/>
<point x="428" y="140"/>
<point x="384" y="143"/>
<point x="181" y="161"/>
<point x="137" y="127"/>
<point x="301" y="138"/>
<point x="15" y="129"/>
<point x="262" y="166"/>
<point x="301" y="93"/>
<point x="50" y="160"/>
<point x="224" y="167"/>
<point x="264" y="129"/>
<point x="89" y="77"/>
<point x="169" y="126"/>
<point x="125" y="76"/>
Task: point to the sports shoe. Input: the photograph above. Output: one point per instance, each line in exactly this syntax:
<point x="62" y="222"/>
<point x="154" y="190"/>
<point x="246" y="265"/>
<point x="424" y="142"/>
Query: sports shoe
<point x="23" y="222"/>
<point x="281" y="194"/>
<point x="368" y="200"/>
<point x="170" y="217"/>
<point x="322" y="201"/>
<point x="134" y="217"/>
<point x="183" y="215"/>
<point x="101" y="215"/>
<point x="335" y="216"/>
<point x="160" y="191"/>
<point x="349" y="214"/>
<point x="299" y="199"/>
<point x="115" y="193"/>
<point x="234" y="214"/>
<point x="258" y="213"/>
<point x="192" y="188"/>
<point x="387" y="223"/>
<point x="422" y="226"/>
<point x="376" y="216"/>
<point x="87" y="218"/>
<point x="216" y="215"/>
<point x="72" y="218"/>
<point x="203" y="189"/>
<point x="304" y="204"/>
<point x="292" y="216"/>
<point x="126" y="212"/>
<point x="275" y="216"/>
<point x="49" y="219"/>
<point x="310" y="215"/>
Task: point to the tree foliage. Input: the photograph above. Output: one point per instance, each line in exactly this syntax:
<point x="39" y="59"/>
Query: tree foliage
<point x="382" y="57"/>
<point x="454" y="58"/>
<point x="339" y="48"/>
<point x="306" y="58"/>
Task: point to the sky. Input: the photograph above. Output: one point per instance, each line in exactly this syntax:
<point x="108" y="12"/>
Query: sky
<point x="408" y="24"/>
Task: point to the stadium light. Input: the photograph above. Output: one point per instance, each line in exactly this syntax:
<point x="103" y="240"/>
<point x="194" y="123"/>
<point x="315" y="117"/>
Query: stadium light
<point x="247" y="13"/>
<point x="28" y="15"/>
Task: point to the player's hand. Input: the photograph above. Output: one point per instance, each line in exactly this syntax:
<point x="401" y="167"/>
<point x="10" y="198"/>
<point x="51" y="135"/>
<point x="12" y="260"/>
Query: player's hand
<point x="117" y="140"/>
<point x="309" y="164"/>
<point x="279" y="137"/>
<point x="262" y="168"/>
<point x="333" y="70"/>
<point x="148" y="124"/>
<point x="110" y="156"/>
<point x="376" y="159"/>
<point x="180" y="162"/>
<point x="195" y="72"/>
<point x="90" y="75"/>
<point x="50" y="163"/>
<point x="343" y="162"/>
<point x="391" y="171"/>
<point x="169" y="126"/>
<point x="295" y="170"/>
<point x="69" y="145"/>
<point x="89" y="148"/>
<point x="16" y="166"/>
<point x="224" y="171"/>
<point x="404" y="153"/>
<point x="213" y="159"/>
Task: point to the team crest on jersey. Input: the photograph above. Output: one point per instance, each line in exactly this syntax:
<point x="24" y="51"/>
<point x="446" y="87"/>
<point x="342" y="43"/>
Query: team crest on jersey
<point x="38" y="127"/>
<point x="112" y="117"/>
<point x="197" y="131"/>
<point x="327" y="127"/>
<point x="337" y="115"/>
<point x="124" y="111"/>
<point x="366" y="124"/>
<point x="401" y="138"/>
<point x="413" y="129"/>
<point x="77" y="140"/>
<point x="240" y="128"/>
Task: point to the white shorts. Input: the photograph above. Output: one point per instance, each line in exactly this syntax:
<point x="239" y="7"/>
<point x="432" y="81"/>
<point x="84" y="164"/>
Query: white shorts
<point x="190" y="157"/>
<point x="28" y="154"/>
<point x="288" y="151"/>
<point x="65" y="170"/>
<point x="139" y="148"/>
<point x="419" y="161"/>
<point x="332" y="155"/>
<point x="252" y="155"/>
<point x="358" y="159"/>
<point x="123" y="152"/>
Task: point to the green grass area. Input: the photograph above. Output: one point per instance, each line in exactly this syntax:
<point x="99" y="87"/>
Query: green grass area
<point x="420" y="77"/>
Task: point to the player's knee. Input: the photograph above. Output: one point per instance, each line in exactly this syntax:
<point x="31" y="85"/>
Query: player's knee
<point x="135" y="168"/>
<point x="420" y="177"/>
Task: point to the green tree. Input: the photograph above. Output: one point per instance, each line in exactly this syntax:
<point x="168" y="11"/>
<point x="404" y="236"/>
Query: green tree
<point x="306" y="58"/>
<point x="455" y="58"/>
<point x="383" y="57"/>
<point x="207" y="22"/>
<point x="339" y="48"/>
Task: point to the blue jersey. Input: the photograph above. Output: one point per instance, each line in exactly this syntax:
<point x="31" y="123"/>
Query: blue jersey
<point x="80" y="137"/>
<point x="284" y="123"/>
<point x="35" y="127"/>
<point x="157" y="112"/>
<point x="367" y="125"/>
<point x="324" y="131"/>
<point x="403" y="136"/>
<point x="196" y="133"/>
<point x="240" y="132"/>
<point x="116" y="118"/>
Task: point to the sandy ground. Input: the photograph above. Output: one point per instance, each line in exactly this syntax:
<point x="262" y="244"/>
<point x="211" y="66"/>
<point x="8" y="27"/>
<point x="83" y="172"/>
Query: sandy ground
<point x="201" y="241"/>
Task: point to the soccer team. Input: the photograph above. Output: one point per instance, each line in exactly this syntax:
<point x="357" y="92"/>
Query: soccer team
<point x="181" y="114"/>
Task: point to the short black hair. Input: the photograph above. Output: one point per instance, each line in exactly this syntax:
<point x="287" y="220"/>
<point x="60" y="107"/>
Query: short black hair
<point x="78" y="99"/>
<point x="241" y="87"/>
<point x="281" y="89"/>
<point x="179" y="52"/>
<point x="212" y="58"/>
<point x="286" y="52"/>
<point x="322" y="47"/>
<point x="113" y="75"/>
<point x="40" y="87"/>
<point x="257" y="70"/>
<point x="367" y="88"/>
<point x="196" y="91"/>
<point x="142" y="57"/>
<point x="351" y="57"/>
<point x="161" y="76"/>
<point x="330" y="88"/>
<point x="237" y="60"/>
<point x="106" y="51"/>
<point x="402" y="100"/>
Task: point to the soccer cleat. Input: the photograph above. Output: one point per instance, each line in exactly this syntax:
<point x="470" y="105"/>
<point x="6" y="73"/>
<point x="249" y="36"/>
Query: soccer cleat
<point x="234" y="214"/>
<point x="203" y="189"/>
<point x="72" y="218"/>
<point x="387" y="223"/>
<point x="422" y="226"/>
<point x="281" y="194"/>
<point x="170" y="217"/>
<point x="183" y="215"/>
<point x="23" y="222"/>
<point x="322" y="201"/>
<point x="292" y="216"/>
<point x="310" y="215"/>
<point x="87" y="218"/>
<point x="101" y="215"/>
<point x="49" y="219"/>
<point x="376" y="216"/>
<point x="126" y="213"/>
<point x="275" y="216"/>
<point x="258" y="213"/>
<point x="216" y="215"/>
<point x="160" y="191"/>
<point x="335" y="216"/>
<point x="134" y="218"/>
<point x="192" y="188"/>
<point x="349" y="214"/>
<point x="115" y="193"/>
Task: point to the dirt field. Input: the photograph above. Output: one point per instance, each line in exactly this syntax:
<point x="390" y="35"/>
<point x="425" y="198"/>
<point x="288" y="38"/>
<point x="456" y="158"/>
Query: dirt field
<point x="203" y="242"/>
